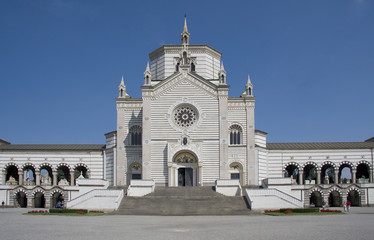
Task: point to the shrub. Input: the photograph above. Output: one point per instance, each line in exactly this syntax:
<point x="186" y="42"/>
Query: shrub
<point x="330" y="210"/>
<point x="300" y="210"/>
<point x="59" y="210"/>
<point x="272" y="210"/>
<point x="95" y="211"/>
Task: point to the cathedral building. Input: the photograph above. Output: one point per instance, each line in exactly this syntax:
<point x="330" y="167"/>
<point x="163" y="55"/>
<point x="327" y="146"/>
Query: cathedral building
<point x="185" y="131"/>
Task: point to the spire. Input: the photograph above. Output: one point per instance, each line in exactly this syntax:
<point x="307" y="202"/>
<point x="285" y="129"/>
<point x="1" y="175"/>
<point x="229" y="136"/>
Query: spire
<point x="185" y="29"/>
<point x="147" y="68"/>
<point x="222" y="75"/>
<point x="249" y="81"/>
<point x="248" y="88"/>
<point x="122" y="82"/>
<point x="122" y="90"/>
<point x="185" y="36"/>
<point x="222" y="67"/>
<point x="147" y="75"/>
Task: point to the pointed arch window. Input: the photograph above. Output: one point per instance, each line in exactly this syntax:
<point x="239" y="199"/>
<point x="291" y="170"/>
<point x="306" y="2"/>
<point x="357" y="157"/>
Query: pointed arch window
<point x="236" y="135"/>
<point x="192" y="67"/>
<point x="135" y="135"/>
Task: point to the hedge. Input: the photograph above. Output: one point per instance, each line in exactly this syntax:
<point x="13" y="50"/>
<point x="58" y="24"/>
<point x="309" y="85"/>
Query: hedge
<point x="59" y="210"/>
<point x="300" y="210"/>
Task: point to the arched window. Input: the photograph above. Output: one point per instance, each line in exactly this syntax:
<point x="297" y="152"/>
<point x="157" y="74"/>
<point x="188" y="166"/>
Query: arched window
<point x="236" y="134"/>
<point x="177" y="67"/>
<point x="185" y="60"/>
<point x="192" y="67"/>
<point x="135" y="135"/>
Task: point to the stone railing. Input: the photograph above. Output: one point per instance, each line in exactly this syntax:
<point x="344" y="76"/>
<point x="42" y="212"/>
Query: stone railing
<point x="96" y="193"/>
<point x="274" y="192"/>
<point x="229" y="187"/>
<point x="139" y="188"/>
<point x="92" y="182"/>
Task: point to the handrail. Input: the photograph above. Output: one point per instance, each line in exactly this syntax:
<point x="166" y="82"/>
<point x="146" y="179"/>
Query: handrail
<point x="275" y="192"/>
<point x="92" y="193"/>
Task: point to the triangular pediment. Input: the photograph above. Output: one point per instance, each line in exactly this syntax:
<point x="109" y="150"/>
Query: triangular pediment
<point x="174" y="80"/>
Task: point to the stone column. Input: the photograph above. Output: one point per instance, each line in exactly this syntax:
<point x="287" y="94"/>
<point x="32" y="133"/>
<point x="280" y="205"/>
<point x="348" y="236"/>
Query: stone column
<point x="30" y="201"/>
<point x="54" y="174"/>
<point x="37" y="178"/>
<point x="20" y="177"/>
<point x="301" y="175"/>
<point x="146" y="133"/>
<point x="200" y="172"/>
<point x="336" y="178"/>
<point x="353" y="175"/>
<point x="370" y="176"/>
<point x="223" y="131"/>
<point x="170" y="172"/>
<point x="72" y="178"/>
<point x="47" y="198"/>
<point x="318" y="176"/>
<point x="4" y="177"/>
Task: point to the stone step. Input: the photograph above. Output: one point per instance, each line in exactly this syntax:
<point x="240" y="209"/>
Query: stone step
<point x="183" y="201"/>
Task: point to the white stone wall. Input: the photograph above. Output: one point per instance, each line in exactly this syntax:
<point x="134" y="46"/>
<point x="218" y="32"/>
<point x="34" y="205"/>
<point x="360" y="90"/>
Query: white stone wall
<point x="184" y="91"/>
<point x="163" y="61"/>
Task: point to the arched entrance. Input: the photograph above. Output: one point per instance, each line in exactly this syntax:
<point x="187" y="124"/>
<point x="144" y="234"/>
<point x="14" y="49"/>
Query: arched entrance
<point x="39" y="200"/>
<point x="334" y="199"/>
<point x="135" y="171"/>
<point x="292" y="171"/>
<point x="184" y="170"/>
<point x="21" y="199"/>
<point x="354" y="198"/>
<point x="316" y="199"/>
<point x="236" y="172"/>
<point x="57" y="200"/>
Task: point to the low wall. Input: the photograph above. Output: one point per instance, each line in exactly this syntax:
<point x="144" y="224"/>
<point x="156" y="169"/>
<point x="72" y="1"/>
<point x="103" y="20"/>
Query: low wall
<point x="229" y="187"/>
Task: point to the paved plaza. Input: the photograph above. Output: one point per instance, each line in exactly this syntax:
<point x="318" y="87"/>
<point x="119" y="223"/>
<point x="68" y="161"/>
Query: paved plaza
<point x="358" y="224"/>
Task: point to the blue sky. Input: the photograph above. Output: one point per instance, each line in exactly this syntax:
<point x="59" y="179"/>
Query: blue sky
<point x="311" y="63"/>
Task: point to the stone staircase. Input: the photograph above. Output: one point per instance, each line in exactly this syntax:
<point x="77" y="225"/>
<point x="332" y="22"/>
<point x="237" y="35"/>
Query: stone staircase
<point x="183" y="201"/>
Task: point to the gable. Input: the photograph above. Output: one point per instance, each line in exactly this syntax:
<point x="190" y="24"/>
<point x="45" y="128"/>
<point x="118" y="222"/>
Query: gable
<point x="173" y="81"/>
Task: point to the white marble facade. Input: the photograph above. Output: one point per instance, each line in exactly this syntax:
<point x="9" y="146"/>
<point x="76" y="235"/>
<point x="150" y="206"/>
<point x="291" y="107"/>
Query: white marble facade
<point x="185" y="130"/>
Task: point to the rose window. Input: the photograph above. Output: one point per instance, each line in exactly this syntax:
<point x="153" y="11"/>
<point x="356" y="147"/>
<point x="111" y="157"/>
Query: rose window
<point x="185" y="116"/>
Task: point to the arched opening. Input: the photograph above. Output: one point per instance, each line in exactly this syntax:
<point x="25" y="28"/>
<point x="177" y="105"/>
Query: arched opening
<point x="249" y="91"/>
<point x="135" y="171"/>
<point x="186" y="174"/>
<point x="292" y="171"/>
<point x="135" y="133"/>
<point x="28" y="175"/>
<point x="46" y="175"/>
<point x="185" y="60"/>
<point x="334" y="199"/>
<point x="177" y="67"/>
<point x="80" y="172"/>
<point x="192" y="67"/>
<point x="345" y="173"/>
<point x="315" y="199"/>
<point x="12" y="174"/>
<point x="310" y="174"/>
<point x="21" y="200"/>
<point x="354" y="198"/>
<point x="236" y="134"/>
<point x="63" y="175"/>
<point x="222" y="78"/>
<point x="185" y="39"/>
<point x="57" y="200"/>
<point x="236" y="172"/>
<point x="328" y="174"/>
<point x="362" y="174"/>
<point x="121" y="92"/>
<point x="39" y="200"/>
